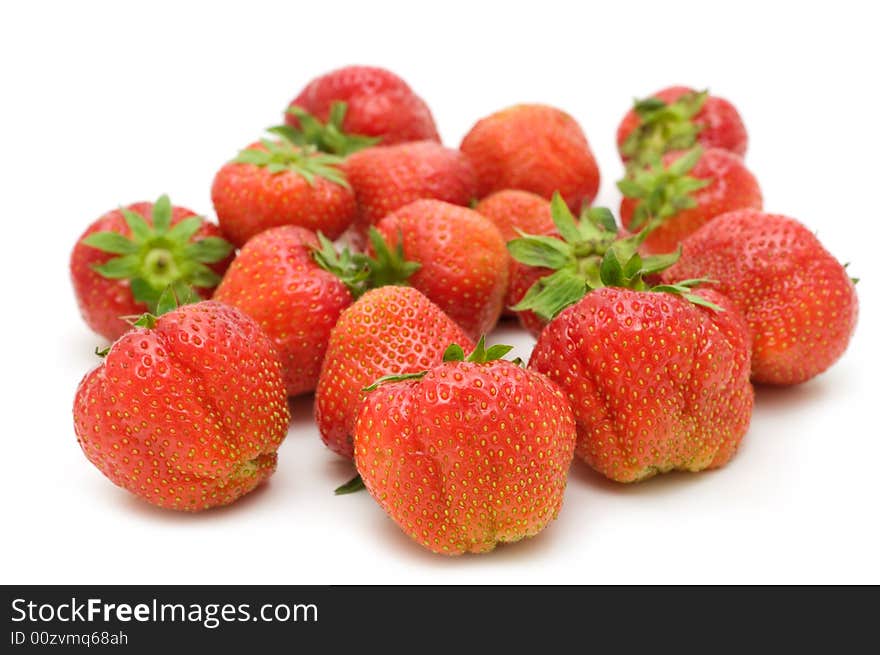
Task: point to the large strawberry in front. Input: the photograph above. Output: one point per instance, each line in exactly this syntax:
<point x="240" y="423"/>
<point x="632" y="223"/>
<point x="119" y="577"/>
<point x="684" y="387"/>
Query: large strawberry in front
<point x="799" y="301"/>
<point x="390" y="330"/>
<point x="187" y="410"/>
<point x="657" y="377"/>
<point x="125" y="260"/>
<point x="467" y="454"/>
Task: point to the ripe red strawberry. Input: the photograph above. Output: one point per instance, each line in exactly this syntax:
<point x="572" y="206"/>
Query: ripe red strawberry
<point x="677" y="118"/>
<point x="534" y="148"/>
<point x="387" y="178"/>
<point x="557" y="268"/>
<point x="684" y="193"/>
<point x="656" y="382"/>
<point x="463" y="263"/>
<point x="278" y="281"/>
<point x="187" y="410"/>
<point x="125" y="259"/>
<point x="377" y="103"/>
<point x="800" y="304"/>
<point x="467" y="454"/>
<point x="391" y="330"/>
<point x="273" y="183"/>
<point x="513" y="212"/>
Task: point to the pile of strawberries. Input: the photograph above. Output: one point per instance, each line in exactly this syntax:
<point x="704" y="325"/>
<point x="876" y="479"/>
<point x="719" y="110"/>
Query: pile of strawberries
<point x="358" y="258"/>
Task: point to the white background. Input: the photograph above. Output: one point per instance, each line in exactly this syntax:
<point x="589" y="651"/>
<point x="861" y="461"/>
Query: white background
<point x="109" y="103"/>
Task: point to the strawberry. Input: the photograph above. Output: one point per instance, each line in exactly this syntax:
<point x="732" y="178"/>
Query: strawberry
<point x="556" y="269"/>
<point x="391" y="330"/>
<point x="279" y="282"/>
<point x="678" y="118"/>
<point x="800" y="304"/>
<point x="272" y="183"/>
<point x="387" y="178"/>
<point x="187" y="410"/>
<point x="463" y="264"/>
<point x="657" y="376"/>
<point x="683" y="192"/>
<point x="360" y="101"/>
<point x="125" y="259"/>
<point x="514" y="212"/>
<point x="534" y="148"/>
<point x="467" y="454"/>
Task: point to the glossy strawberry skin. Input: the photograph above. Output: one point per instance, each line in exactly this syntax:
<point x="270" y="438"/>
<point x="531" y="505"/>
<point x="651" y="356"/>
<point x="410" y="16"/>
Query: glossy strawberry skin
<point x="656" y="383"/>
<point x="379" y="104"/>
<point x="470" y="456"/>
<point x="800" y="304"/>
<point x="388" y="178"/>
<point x="249" y="199"/>
<point x="102" y="301"/>
<point x="733" y="187"/>
<point x="276" y="281"/>
<point x="514" y="211"/>
<point x="387" y="331"/>
<point x="534" y="148"/>
<point x="721" y="125"/>
<point x="464" y="261"/>
<point x="187" y="415"/>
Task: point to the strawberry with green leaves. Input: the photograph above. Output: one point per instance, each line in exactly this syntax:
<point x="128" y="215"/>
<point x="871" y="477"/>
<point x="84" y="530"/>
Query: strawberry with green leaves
<point x="657" y="375"/>
<point x="684" y="191"/>
<point x="799" y="301"/>
<point x="187" y="409"/>
<point x="387" y="331"/>
<point x="125" y="260"/>
<point x="276" y="182"/>
<point x="678" y="118"/>
<point x="467" y="454"/>
<point x="351" y="107"/>
<point x="295" y="285"/>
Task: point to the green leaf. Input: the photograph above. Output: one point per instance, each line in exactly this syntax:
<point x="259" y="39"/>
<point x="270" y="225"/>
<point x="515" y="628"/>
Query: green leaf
<point x="630" y="188"/>
<point x="478" y="354"/>
<point x="553" y="293"/>
<point x="102" y="352"/>
<point x="540" y="251"/>
<point x="603" y="217"/>
<point x="167" y="302"/>
<point x="111" y="242"/>
<point x="610" y="271"/>
<point x="119" y="268"/>
<point x="202" y="276"/>
<point x="146" y="321"/>
<point x="656" y="263"/>
<point x="185" y="229"/>
<point x="453" y="353"/>
<point x="208" y="250"/>
<point x="563" y="219"/>
<point x="286" y="132"/>
<point x="350" y="487"/>
<point x="387" y="266"/>
<point x="162" y="214"/>
<point x="140" y="229"/>
<point x="498" y="351"/>
<point x="394" y="378"/>
<point x="143" y="291"/>
<point x="683" y="165"/>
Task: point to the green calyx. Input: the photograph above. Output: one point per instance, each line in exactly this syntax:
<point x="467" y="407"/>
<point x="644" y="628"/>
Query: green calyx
<point x="354" y="485"/>
<point x="662" y="192"/>
<point x="326" y="137"/>
<point x="663" y="127"/>
<point x="160" y="256"/>
<point x="361" y="272"/>
<point x="453" y="353"/>
<point x="590" y="256"/>
<point x="285" y="156"/>
<point x="169" y="300"/>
